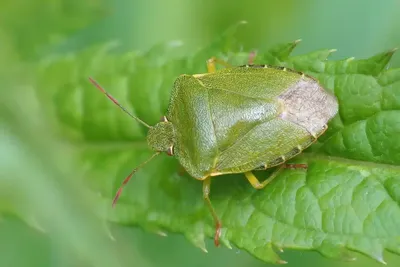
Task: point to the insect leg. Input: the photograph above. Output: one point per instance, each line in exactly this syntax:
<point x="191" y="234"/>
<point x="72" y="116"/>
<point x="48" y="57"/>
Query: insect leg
<point x="256" y="183"/>
<point x="212" y="61"/>
<point x="218" y="225"/>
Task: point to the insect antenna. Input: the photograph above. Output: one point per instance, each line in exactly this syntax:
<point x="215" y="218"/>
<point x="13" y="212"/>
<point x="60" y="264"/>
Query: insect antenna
<point x="126" y="180"/>
<point x="116" y="102"/>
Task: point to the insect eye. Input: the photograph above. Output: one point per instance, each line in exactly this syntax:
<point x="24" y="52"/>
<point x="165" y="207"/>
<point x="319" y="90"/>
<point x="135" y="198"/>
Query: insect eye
<point x="170" y="151"/>
<point x="164" y="119"/>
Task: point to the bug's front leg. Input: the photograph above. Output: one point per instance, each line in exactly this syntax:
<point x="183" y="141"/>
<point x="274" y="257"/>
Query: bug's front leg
<point x="258" y="185"/>
<point x="213" y="61"/>
<point x="218" y="225"/>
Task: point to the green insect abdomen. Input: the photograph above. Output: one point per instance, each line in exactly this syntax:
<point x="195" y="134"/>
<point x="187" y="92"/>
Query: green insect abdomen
<point x="240" y="119"/>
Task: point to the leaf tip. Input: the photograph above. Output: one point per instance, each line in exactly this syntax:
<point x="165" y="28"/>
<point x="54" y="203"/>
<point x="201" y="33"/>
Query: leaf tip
<point x="296" y="42"/>
<point x="161" y="233"/>
<point x="226" y="243"/>
<point x="109" y="234"/>
<point x="381" y="260"/>
<point x="243" y="22"/>
<point x="281" y="262"/>
<point x="393" y="50"/>
<point x="199" y="243"/>
<point x="196" y="236"/>
<point x="350" y="59"/>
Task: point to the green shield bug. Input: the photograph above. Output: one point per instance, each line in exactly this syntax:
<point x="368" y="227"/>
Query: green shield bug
<point x="237" y="120"/>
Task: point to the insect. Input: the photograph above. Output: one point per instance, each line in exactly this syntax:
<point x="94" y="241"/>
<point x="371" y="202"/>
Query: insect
<point x="237" y="120"/>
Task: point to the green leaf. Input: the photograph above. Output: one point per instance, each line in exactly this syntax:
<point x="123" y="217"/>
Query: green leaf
<point x="347" y="200"/>
<point x="57" y="19"/>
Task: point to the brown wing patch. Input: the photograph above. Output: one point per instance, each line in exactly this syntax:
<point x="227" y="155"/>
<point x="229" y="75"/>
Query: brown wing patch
<point x="308" y="105"/>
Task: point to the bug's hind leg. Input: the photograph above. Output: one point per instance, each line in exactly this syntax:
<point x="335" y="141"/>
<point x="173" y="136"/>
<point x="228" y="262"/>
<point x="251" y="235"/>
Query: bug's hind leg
<point x="258" y="185"/>
<point x="213" y="61"/>
<point x="218" y="225"/>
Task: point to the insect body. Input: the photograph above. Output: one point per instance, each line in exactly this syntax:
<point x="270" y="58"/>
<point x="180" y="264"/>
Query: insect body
<point x="237" y="120"/>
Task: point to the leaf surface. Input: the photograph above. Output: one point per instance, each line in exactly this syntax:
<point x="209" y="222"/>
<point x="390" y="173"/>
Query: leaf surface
<point x="347" y="200"/>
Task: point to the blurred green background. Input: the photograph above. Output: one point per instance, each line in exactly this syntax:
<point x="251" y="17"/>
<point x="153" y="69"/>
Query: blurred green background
<point x="36" y="179"/>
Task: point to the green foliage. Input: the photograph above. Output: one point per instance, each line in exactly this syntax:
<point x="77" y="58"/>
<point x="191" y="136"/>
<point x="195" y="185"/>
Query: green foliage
<point x="30" y="25"/>
<point x="347" y="200"/>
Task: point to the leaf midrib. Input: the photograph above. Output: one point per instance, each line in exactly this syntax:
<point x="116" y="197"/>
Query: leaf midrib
<point x="309" y="155"/>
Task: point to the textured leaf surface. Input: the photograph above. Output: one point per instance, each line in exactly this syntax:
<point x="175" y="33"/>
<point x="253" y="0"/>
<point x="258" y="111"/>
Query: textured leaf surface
<point x="347" y="199"/>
